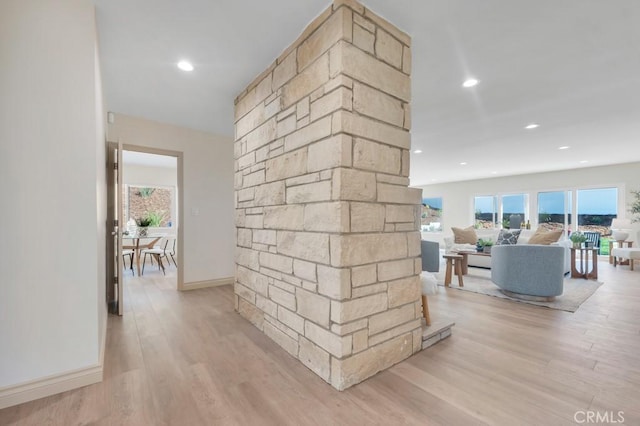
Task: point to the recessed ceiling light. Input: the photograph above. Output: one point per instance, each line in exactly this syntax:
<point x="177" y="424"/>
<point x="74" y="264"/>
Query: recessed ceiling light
<point x="584" y="161"/>
<point x="494" y="173"/>
<point x="417" y="151"/>
<point x="185" y="66"/>
<point x="464" y="163"/>
<point x="470" y="82"/>
<point x="531" y="126"/>
<point x="564" y="147"/>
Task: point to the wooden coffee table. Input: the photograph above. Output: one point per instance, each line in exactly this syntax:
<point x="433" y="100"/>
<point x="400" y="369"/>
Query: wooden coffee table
<point x="465" y="258"/>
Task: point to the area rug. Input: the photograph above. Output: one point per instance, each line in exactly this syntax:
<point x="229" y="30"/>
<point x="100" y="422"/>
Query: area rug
<point x="478" y="280"/>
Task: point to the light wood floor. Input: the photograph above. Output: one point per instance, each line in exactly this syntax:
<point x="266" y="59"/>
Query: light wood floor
<point x="188" y="359"/>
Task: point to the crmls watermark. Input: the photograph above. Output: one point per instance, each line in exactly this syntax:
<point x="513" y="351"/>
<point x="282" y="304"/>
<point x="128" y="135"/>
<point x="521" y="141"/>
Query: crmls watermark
<point x="611" y="417"/>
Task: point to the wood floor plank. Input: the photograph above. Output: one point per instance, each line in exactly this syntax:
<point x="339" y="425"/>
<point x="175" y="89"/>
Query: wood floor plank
<point x="186" y="358"/>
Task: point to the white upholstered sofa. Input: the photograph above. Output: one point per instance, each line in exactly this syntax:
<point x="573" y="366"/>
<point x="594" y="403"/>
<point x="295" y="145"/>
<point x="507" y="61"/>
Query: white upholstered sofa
<point x="485" y="261"/>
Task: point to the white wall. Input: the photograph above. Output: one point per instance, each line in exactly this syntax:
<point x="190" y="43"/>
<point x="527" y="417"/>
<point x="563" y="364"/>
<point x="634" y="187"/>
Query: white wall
<point x="52" y="181"/>
<point x="457" y="203"/>
<point x="209" y="238"/>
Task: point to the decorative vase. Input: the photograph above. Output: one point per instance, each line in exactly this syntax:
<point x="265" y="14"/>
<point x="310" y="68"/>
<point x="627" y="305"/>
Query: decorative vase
<point x="577" y="245"/>
<point x="142" y="231"/>
<point x="487" y="249"/>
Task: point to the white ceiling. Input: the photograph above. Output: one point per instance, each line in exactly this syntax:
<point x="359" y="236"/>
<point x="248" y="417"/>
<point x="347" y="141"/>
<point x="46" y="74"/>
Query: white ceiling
<point x="573" y="66"/>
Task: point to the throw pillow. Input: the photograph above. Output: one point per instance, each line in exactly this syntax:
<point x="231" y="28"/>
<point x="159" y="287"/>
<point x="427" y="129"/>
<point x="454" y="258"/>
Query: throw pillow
<point x="465" y="236"/>
<point x="508" y="237"/>
<point x="545" y="237"/>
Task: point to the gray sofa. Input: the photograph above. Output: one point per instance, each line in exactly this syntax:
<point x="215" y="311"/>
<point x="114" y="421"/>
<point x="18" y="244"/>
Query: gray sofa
<point x="430" y="256"/>
<point x="532" y="272"/>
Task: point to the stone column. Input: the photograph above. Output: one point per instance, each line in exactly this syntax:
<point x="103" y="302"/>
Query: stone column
<point x="328" y="241"/>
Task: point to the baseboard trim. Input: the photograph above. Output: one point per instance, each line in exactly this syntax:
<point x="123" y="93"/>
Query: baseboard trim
<point x="207" y="283"/>
<point x="51" y="385"/>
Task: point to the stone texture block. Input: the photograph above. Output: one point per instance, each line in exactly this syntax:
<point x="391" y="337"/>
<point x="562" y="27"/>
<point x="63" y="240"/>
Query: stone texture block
<point x="334" y="283"/>
<point x="244" y="237"/>
<point x="376" y="157"/>
<point x="352" y="370"/>
<point x="282" y="297"/>
<point x="360" y="249"/>
<point x="388" y="49"/>
<point x="248" y="258"/>
<point x="287" y="165"/>
<point x="363" y="67"/>
<point x="286" y="342"/>
<point x="250" y="312"/>
<point x="364" y="275"/>
<point x="406" y="60"/>
<point x="376" y="104"/>
<point x="341" y="98"/>
<point x="285" y="71"/>
<point x="301" y="180"/>
<point x="313" y="307"/>
<point x="305" y="82"/>
<point x="353" y="4"/>
<point x="360" y="341"/>
<point x="269" y="194"/>
<point x="396" y="213"/>
<point x="276" y="262"/>
<point x="267" y="306"/>
<point x="291" y="320"/>
<point x="396" y="269"/>
<point x="350" y="310"/>
<point x="403" y="291"/>
<point x="245" y="293"/>
<point x="286" y="126"/>
<point x="368" y="290"/>
<point x="365" y="127"/>
<point x="364" y="39"/>
<point x="315" y="358"/>
<point x="390" y="319"/>
<point x="313" y="132"/>
<point x="326" y="217"/>
<point x="337" y="27"/>
<point x="413" y="244"/>
<point x="304" y="270"/>
<point x="302" y="108"/>
<point x="338" y="346"/>
<point x="348" y="328"/>
<point x="398" y="194"/>
<point x="262" y="236"/>
<point x="309" y="193"/>
<point x="254" y="97"/>
<point x="253" y="179"/>
<point x="351" y="184"/>
<point x="313" y="247"/>
<point x="330" y="153"/>
<point x="388" y="27"/>
<point x="261" y="136"/>
<point x="396" y="331"/>
<point x="284" y="217"/>
<point x="367" y="217"/>
<point x="252" y="280"/>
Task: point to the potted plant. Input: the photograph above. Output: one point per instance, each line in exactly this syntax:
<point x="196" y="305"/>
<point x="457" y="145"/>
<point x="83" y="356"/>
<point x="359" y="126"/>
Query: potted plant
<point x="143" y="225"/>
<point x="577" y="238"/>
<point x="486" y="245"/>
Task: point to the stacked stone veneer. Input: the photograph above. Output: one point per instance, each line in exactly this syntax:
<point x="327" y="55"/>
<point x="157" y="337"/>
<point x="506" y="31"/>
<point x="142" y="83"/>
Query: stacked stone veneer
<point x="327" y="230"/>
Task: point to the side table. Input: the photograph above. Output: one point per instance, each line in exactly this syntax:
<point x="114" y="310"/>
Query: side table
<point x="583" y="256"/>
<point x="453" y="260"/>
<point x="621" y="245"/>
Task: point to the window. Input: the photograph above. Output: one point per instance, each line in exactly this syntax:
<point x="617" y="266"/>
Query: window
<point x="486" y="215"/>
<point x="157" y="203"/>
<point x="554" y="210"/>
<point x="431" y="220"/>
<point x="516" y="204"/>
<point x="596" y="209"/>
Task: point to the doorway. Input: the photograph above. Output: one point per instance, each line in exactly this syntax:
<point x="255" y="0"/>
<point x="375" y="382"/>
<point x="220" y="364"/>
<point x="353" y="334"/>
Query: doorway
<point x="147" y="185"/>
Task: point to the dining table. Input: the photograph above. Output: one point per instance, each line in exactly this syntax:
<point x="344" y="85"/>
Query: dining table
<point x="137" y="243"/>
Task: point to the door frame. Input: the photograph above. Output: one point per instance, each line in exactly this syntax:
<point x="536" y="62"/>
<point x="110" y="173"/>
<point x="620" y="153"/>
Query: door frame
<point x="180" y="198"/>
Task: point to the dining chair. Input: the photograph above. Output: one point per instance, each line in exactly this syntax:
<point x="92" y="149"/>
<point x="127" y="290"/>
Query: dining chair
<point x="131" y="254"/>
<point x="155" y="252"/>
